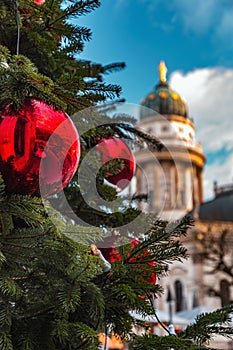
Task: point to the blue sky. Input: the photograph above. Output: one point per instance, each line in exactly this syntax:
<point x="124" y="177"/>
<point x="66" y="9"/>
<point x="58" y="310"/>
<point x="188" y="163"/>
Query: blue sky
<point x="195" y="39"/>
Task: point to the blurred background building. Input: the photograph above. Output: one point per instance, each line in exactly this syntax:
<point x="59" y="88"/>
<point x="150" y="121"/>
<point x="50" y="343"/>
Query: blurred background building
<point x="172" y="179"/>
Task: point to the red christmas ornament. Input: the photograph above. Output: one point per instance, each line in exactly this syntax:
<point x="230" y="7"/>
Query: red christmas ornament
<point x="110" y="253"/>
<point x="113" y="148"/>
<point x="39" y="2"/>
<point x="39" y="149"/>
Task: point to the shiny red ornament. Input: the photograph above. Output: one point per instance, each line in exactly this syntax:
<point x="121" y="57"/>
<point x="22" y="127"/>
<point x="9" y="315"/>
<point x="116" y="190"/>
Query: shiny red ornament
<point x="110" y="253"/>
<point x="39" y="2"/>
<point x="114" y="148"/>
<point x="39" y="149"/>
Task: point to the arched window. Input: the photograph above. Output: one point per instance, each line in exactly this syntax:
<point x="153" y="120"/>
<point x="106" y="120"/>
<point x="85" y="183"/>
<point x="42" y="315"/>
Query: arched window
<point x="225" y="292"/>
<point x="179" y="295"/>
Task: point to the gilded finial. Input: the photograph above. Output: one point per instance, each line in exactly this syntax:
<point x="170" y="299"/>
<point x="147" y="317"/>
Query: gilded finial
<point x="162" y="72"/>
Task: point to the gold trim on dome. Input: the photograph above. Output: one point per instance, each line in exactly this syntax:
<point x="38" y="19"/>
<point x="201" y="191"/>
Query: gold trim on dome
<point x="175" y="96"/>
<point x="151" y="96"/>
<point x="186" y="154"/>
<point x="180" y="119"/>
<point x="162" y="72"/>
<point x="163" y="94"/>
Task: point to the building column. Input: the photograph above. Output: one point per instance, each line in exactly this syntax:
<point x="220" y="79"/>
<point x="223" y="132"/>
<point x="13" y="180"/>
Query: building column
<point x="200" y="184"/>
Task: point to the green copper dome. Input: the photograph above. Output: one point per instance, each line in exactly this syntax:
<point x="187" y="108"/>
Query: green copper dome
<point x="163" y="100"/>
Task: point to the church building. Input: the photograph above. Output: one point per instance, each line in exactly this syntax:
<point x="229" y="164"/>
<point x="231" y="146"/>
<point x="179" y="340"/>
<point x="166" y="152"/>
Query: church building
<point x="173" y="181"/>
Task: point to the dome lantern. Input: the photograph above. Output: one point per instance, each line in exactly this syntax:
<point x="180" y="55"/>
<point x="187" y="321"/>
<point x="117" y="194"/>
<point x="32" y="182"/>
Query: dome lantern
<point x="162" y="72"/>
<point x="162" y="99"/>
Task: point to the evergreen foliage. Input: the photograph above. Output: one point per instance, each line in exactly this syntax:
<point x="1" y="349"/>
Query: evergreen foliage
<point x="216" y="252"/>
<point x="53" y="292"/>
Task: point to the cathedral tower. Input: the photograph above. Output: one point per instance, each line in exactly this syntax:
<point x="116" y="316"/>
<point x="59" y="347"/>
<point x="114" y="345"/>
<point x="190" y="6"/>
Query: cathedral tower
<point x="172" y="177"/>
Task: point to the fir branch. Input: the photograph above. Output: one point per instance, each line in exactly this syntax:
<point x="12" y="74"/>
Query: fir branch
<point x="5" y="341"/>
<point x="209" y="324"/>
<point x="9" y="288"/>
<point x="79" y="8"/>
<point x="154" y="342"/>
<point x="35" y="314"/>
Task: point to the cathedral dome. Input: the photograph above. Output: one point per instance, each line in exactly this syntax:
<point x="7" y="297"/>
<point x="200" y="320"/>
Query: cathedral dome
<point x="163" y="99"/>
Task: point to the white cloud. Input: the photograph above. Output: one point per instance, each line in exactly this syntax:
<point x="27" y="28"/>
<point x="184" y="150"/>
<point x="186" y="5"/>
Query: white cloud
<point x="209" y="97"/>
<point x="220" y="172"/>
<point x="196" y="15"/>
<point x="208" y="93"/>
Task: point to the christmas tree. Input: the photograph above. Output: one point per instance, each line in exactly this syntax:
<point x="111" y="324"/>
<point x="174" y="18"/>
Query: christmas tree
<point x="58" y="289"/>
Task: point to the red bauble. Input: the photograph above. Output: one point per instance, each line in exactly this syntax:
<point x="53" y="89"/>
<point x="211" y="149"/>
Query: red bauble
<point x="39" y="2"/>
<point x="110" y="253"/>
<point x="39" y="149"/>
<point x="113" y="148"/>
<point x="152" y="279"/>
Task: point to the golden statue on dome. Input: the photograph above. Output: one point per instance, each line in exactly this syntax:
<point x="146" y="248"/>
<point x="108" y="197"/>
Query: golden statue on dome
<point x="162" y="72"/>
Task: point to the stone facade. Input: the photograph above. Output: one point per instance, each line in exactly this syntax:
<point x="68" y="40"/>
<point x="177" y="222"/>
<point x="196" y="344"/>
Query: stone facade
<point x="172" y="179"/>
